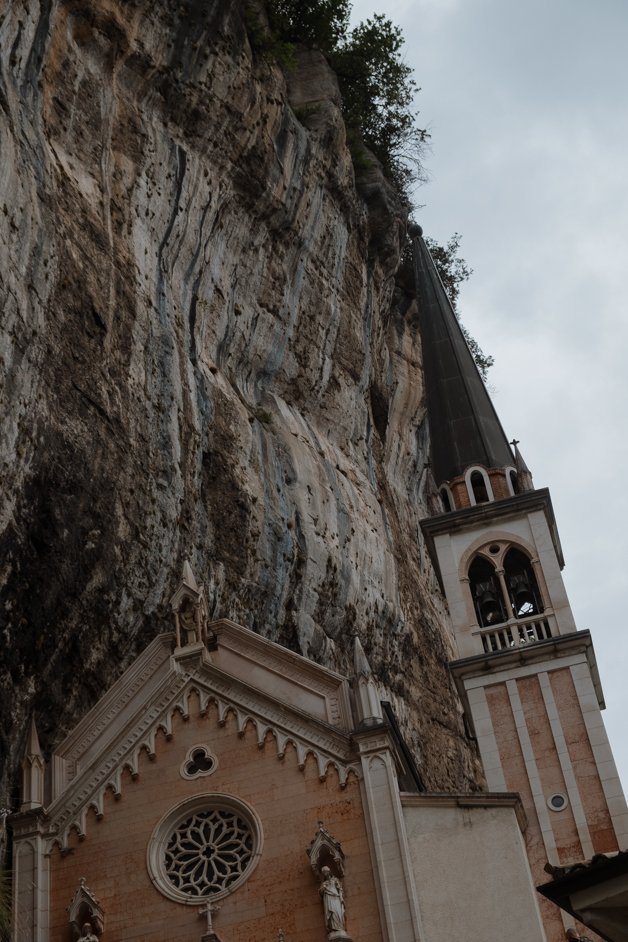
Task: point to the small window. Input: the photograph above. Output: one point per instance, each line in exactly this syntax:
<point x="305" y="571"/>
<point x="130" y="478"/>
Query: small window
<point x="557" y="802"/>
<point x="513" y="481"/>
<point x="199" y="761"/>
<point x="446" y="499"/>
<point x="478" y="486"/>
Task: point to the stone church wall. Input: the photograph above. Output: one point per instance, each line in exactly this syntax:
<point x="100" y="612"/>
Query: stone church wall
<point x="281" y="892"/>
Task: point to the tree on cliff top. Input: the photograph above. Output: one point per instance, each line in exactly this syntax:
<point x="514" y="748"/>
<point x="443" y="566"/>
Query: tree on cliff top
<point x="378" y="92"/>
<point x="376" y="86"/>
<point x="318" y="23"/>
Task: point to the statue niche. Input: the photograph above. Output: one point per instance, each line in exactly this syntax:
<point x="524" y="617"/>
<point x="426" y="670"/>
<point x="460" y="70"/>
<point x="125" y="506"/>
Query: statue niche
<point x="327" y="862"/>
<point x="86" y="915"/>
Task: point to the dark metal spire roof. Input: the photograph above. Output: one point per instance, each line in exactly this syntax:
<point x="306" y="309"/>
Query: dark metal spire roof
<point x="464" y="427"/>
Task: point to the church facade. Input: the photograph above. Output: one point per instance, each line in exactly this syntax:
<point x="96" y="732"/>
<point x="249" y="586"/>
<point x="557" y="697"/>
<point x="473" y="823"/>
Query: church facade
<point x="226" y="789"/>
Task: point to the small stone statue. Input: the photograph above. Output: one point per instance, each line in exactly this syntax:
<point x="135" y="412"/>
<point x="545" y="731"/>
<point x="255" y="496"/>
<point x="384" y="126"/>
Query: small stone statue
<point x="189" y="623"/>
<point x="334" y="905"/>
<point x="87" y="934"/>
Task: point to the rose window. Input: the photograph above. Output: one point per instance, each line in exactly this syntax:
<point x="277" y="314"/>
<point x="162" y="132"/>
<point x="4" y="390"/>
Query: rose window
<point x="208" y="852"/>
<point x="204" y="847"/>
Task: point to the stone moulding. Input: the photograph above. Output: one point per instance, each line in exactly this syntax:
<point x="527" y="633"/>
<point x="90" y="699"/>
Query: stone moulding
<point x="132" y="683"/>
<point x="329" y="747"/>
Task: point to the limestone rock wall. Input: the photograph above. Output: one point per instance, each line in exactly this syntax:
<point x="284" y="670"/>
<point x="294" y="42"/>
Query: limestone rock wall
<point x="202" y="356"/>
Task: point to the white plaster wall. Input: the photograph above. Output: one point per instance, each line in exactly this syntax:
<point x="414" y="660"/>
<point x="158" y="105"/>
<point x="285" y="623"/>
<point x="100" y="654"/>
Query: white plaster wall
<point x="472" y="875"/>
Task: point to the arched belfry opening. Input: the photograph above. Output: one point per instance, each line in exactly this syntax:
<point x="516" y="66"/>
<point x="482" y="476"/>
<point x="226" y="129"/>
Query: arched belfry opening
<point x="479" y="488"/>
<point x="516" y="595"/>
<point x="525" y="597"/>
<point x="446" y="500"/>
<point x="487" y="595"/>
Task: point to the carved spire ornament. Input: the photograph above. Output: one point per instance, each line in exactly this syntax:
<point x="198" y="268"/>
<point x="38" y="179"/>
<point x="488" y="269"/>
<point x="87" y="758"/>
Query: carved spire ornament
<point x="87" y="917"/>
<point x="524" y="475"/>
<point x="367" y="702"/>
<point x="190" y="611"/>
<point x="33" y="768"/>
<point x="325" y="850"/>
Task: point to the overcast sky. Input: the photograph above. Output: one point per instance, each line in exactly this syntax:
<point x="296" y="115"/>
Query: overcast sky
<point x="527" y="107"/>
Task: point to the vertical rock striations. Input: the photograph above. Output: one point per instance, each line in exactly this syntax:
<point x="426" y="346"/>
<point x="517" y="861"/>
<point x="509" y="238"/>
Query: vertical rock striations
<point x="201" y="358"/>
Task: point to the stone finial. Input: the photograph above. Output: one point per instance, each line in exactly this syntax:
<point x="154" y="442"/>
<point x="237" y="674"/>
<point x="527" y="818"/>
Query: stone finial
<point x="190" y="610"/>
<point x="33" y="768"/>
<point x="367" y="702"/>
<point x="524" y="475"/>
<point x="361" y="666"/>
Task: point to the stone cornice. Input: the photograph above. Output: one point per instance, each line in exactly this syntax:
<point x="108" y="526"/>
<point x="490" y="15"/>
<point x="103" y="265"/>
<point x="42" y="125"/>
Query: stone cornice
<point x="471" y="800"/>
<point x="132" y="683"/>
<point x="532" y="655"/>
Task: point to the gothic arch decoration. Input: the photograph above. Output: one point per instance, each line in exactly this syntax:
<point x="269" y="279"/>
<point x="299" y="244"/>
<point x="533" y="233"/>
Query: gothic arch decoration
<point x="503" y="584"/>
<point x="479" y="486"/>
<point x="90" y="794"/>
<point x="85" y="908"/>
<point x="486" y="592"/>
<point x="523" y="589"/>
<point x="325" y="851"/>
<point x="504" y="539"/>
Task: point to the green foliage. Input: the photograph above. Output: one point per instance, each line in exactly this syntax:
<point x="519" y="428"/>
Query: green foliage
<point x="453" y="270"/>
<point x="321" y="24"/>
<point x="377" y="91"/>
<point x="376" y="86"/>
<point x="266" y="42"/>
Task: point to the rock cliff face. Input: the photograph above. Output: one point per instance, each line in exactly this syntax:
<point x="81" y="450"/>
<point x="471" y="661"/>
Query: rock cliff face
<point x="202" y="356"/>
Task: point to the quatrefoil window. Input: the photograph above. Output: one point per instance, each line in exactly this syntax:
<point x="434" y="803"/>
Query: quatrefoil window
<point x="199" y="761"/>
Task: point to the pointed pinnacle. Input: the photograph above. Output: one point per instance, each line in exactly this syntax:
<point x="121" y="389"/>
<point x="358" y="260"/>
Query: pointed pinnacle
<point x="188" y="576"/>
<point x="361" y="664"/>
<point x="32" y="746"/>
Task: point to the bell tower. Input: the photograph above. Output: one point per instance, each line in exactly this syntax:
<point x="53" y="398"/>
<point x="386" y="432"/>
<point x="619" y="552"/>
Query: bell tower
<point x="526" y="676"/>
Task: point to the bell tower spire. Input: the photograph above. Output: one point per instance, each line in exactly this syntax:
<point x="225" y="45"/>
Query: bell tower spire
<point x="527" y="678"/>
<point x="470" y="455"/>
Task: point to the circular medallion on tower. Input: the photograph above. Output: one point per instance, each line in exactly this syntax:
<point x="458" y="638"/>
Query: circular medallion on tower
<point x="557" y="802"/>
<point x="203" y="848"/>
